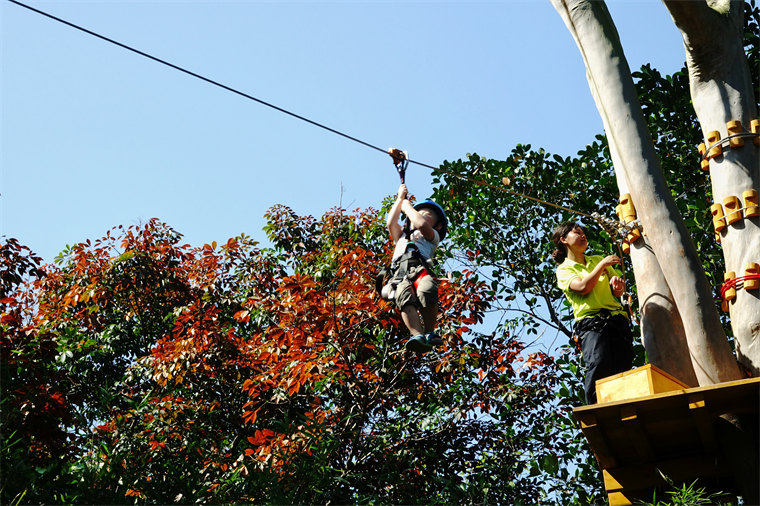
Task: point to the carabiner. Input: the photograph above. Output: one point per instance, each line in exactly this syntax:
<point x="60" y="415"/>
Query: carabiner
<point x="400" y="160"/>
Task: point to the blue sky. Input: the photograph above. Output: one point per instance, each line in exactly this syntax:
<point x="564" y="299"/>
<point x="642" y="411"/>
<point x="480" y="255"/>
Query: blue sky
<point x="93" y="136"/>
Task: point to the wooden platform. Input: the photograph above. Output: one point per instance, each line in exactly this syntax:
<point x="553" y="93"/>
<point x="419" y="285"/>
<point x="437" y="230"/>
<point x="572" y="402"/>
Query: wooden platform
<point x="672" y="432"/>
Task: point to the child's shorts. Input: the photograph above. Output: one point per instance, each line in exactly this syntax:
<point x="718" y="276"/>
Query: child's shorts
<point x="426" y="293"/>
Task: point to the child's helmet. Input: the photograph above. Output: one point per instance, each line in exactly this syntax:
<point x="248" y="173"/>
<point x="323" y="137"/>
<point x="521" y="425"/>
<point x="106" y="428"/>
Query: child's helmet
<point x="429" y="204"/>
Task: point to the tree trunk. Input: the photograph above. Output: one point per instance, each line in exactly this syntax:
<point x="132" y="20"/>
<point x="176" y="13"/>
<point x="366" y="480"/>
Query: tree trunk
<point x="610" y="79"/>
<point x="721" y="90"/>
<point x="662" y="331"/>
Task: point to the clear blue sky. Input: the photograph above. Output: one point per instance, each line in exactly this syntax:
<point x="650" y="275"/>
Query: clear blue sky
<point x="94" y="136"/>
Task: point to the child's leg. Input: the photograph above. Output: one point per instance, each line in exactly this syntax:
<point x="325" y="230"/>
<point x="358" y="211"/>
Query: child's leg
<point x="406" y="301"/>
<point x="429" y="317"/>
<point x="427" y="293"/>
<point x="412" y="319"/>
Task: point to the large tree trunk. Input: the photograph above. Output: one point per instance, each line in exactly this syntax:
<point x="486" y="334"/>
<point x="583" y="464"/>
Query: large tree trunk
<point x="610" y="79"/>
<point x="721" y="90"/>
<point x="662" y="330"/>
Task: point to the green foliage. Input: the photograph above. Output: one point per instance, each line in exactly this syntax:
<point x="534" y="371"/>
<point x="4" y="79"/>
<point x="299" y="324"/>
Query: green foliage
<point x="35" y="406"/>
<point x="144" y="370"/>
<point x="688" y="495"/>
<point x="509" y="236"/>
<point x="239" y="374"/>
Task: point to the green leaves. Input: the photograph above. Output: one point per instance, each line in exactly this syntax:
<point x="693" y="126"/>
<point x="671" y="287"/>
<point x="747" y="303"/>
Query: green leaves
<point x="230" y="373"/>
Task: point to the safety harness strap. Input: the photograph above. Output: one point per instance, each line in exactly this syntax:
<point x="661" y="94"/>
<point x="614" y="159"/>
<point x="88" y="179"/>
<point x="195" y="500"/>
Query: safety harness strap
<point x="406" y="262"/>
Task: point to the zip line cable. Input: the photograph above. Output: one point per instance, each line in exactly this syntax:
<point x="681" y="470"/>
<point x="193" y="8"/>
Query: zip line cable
<point x="202" y="78"/>
<point x="285" y="111"/>
<point x="405" y="159"/>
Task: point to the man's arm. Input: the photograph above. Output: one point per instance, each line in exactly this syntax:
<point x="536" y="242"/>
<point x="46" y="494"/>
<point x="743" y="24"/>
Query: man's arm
<point x="586" y="284"/>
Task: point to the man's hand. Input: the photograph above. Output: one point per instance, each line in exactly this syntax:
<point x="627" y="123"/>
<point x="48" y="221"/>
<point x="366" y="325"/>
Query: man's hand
<point x="610" y="260"/>
<point x="617" y="285"/>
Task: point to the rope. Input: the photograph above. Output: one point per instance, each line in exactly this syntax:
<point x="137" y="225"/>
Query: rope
<point x="707" y="156"/>
<point x="620" y="229"/>
<point x="731" y="283"/>
<point x="285" y="111"/>
<point x="512" y="192"/>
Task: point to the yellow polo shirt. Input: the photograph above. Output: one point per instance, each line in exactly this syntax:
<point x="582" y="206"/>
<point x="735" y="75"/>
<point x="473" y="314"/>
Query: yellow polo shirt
<point x="600" y="297"/>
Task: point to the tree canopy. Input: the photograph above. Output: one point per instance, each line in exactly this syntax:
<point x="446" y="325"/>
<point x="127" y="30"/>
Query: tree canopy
<point x="144" y="370"/>
<point x="139" y="369"/>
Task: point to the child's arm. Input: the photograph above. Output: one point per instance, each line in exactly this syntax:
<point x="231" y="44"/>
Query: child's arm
<point x="417" y="221"/>
<point x="391" y="222"/>
<point x="585" y="285"/>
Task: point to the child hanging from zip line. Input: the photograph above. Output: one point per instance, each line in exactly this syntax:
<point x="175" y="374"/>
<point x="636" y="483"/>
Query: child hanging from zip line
<point x="413" y="284"/>
<point x="593" y="289"/>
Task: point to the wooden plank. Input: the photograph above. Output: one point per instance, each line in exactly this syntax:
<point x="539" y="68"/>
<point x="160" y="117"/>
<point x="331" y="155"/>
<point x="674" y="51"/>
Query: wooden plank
<point x="671" y="431"/>
<point x="724" y="394"/>
<point x="598" y="442"/>
<point x="618" y="499"/>
<point x="632" y="480"/>
<point x="664" y="382"/>
<point x="703" y="421"/>
<point x="635" y="433"/>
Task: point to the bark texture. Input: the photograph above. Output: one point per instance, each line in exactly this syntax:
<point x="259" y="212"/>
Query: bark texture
<point x="612" y="86"/>
<point x="721" y="90"/>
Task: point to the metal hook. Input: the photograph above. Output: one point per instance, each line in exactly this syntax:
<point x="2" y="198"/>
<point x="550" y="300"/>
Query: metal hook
<point x="400" y="160"/>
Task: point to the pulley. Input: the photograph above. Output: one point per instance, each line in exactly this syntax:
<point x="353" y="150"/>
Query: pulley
<point x="400" y="160"/>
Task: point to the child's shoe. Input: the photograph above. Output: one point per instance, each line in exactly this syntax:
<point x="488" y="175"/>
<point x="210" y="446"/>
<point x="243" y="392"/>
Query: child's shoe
<point x="423" y="344"/>
<point x="418" y="344"/>
<point x="434" y="339"/>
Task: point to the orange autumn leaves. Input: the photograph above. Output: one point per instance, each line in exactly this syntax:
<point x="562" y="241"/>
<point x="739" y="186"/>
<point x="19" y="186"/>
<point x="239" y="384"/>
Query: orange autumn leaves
<point x="234" y="359"/>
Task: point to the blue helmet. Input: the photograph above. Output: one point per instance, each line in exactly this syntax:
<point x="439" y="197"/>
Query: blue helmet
<point x="429" y="204"/>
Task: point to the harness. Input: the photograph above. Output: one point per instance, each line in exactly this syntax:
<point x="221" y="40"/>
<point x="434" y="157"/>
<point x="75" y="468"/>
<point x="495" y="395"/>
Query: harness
<point x="404" y="266"/>
<point x="407" y="266"/>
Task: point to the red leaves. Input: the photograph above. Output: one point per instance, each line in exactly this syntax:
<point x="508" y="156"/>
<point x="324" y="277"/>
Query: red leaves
<point x="242" y="316"/>
<point x="220" y="338"/>
<point x="249" y="417"/>
<point x="261" y="437"/>
<point x="154" y="445"/>
<point x="132" y="493"/>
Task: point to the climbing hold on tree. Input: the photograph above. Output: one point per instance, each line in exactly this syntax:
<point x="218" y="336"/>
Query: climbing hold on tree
<point x="704" y="164"/>
<point x="735" y="127"/>
<point x="754" y="127"/>
<point x="751" y="207"/>
<point x="752" y="269"/>
<point x="719" y="221"/>
<point x="713" y="139"/>
<point x="732" y="209"/>
<point x="728" y="293"/>
<point x="627" y="213"/>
